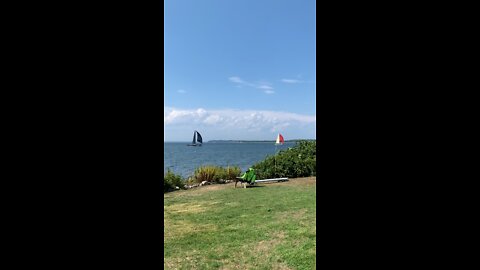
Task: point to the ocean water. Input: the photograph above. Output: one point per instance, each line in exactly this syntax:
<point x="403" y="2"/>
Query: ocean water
<point x="182" y="159"/>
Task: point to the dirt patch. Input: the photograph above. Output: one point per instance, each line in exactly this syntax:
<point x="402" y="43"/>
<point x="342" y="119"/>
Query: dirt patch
<point x="264" y="247"/>
<point x="228" y="266"/>
<point x="197" y="190"/>
<point x="214" y="187"/>
<point x="260" y="251"/>
<point x="179" y="228"/>
<point x="304" y="181"/>
<point x="184" y="208"/>
<point x="189" y="260"/>
<point x="289" y="215"/>
<point x="188" y="208"/>
<point x="280" y="266"/>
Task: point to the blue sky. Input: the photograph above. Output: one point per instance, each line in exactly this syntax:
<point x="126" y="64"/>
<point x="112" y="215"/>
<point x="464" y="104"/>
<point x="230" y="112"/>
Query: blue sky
<point x="239" y="69"/>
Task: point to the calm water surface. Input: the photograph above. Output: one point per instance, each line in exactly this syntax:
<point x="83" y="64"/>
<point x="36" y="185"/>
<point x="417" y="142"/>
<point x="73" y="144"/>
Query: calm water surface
<point x="183" y="159"/>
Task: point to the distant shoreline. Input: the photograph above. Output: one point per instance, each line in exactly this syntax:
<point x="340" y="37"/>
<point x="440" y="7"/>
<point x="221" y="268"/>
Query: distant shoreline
<point x="244" y="141"/>
<point x="249" y="141"/>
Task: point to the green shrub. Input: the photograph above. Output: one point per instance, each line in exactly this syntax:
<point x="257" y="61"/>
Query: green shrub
<point x="214" y="174"/>
<point x="208" y="173"/>
<point x="170" y="180"/>
<point x="297" y="161"/>
<point x="231" y="173"/>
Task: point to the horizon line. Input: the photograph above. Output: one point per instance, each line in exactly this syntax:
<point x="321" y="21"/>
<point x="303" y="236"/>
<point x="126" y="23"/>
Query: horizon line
<point x="269" y="140"/>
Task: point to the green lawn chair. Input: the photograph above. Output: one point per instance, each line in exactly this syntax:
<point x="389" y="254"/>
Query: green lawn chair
<point x="248" y="177"/>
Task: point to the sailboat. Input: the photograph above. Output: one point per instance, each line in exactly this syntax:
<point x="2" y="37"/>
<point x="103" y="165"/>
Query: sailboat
<point x="279" y="139"/>
<point x="197" y="139"/>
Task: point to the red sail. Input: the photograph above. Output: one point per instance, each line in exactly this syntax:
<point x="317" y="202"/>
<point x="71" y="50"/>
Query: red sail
<point x="279" y="139"/>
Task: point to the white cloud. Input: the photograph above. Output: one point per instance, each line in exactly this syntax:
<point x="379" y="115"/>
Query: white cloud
<point x="236" y="79"/>
<point x="181" y="91"/>
<point x="297" y="81"/>
<point x="290" y="81"/>
<point x="236" y="124"/>
<point x="269" y="92"/>
<point x="172" y="115"/>
<point x="280" y="127"/>
<point x="212" y="119"/>
<point x="259" y="85"/>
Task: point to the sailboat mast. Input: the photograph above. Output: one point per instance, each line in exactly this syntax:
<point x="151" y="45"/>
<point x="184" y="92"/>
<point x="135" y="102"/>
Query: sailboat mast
<point x="279" y="141"/>
<point x="275" y="161"/>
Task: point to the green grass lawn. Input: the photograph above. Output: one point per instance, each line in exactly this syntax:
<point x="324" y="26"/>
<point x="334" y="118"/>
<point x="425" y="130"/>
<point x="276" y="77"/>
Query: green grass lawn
<point x="218" y="227"/>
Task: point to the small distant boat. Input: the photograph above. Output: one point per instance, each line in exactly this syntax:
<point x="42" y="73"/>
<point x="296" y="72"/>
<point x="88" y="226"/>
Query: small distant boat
<point x="197" y="139"/>
<point x="279" y="139"/>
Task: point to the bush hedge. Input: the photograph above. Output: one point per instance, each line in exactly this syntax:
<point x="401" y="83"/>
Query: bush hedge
<point x="170" y="180"/>
<point x="297" y="161"/>
<point x="215" y="174"/>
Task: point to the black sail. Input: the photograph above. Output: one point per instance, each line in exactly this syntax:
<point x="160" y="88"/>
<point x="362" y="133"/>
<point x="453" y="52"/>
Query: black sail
<point x="199" y="138"/>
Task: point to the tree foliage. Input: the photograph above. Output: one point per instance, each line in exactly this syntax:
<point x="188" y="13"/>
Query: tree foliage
<point x="297" y="161"/>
